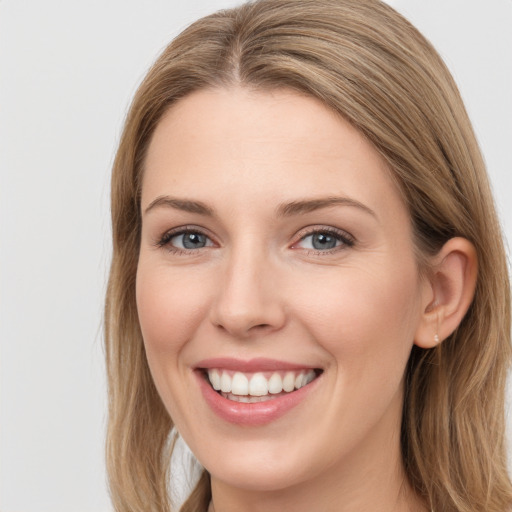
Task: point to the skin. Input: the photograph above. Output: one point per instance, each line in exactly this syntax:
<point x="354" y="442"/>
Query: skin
<point x="258" y="289"/>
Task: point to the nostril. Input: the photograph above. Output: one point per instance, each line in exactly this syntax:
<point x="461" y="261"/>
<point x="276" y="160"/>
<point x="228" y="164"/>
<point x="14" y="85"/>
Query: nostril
<point x="261" y="326"/>
<point x="245" y="331"/>
<point x="244" y="326"/>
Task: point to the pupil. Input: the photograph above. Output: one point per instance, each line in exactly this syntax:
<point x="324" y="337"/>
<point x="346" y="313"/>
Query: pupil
<point x="322" y="241"/>
<point x="194" y="241"/>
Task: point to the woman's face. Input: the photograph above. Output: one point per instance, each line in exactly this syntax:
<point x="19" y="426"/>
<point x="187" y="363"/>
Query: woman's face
<point x="276" y="253"/>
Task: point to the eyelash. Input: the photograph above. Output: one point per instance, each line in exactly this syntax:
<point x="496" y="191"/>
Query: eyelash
<point x="346" y="240"/>
<point x="165" y="240"/>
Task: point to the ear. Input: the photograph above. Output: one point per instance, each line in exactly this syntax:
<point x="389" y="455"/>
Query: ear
<point x="448" y="292"/>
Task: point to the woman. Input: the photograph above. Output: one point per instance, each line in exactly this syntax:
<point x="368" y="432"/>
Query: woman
<point x="308" y="278"/>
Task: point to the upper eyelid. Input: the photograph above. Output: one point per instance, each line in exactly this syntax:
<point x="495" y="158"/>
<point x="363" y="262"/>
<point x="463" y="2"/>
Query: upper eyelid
<point x="311" y="230"/>
<point x="188" y="228"/>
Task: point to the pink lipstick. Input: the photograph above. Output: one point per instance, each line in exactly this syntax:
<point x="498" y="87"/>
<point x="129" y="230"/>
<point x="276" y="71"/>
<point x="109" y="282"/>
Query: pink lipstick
<point x="254" y="392"/>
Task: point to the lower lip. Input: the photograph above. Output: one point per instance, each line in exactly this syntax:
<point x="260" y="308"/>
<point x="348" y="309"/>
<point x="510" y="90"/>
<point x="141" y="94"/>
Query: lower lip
<point x="258" y="413"/>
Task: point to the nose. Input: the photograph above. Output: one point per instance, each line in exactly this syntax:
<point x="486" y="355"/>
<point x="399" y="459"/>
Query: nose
<point x="248" y="301"/>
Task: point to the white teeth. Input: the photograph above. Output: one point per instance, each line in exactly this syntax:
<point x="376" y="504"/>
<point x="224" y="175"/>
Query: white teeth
<point x="240" y="384"/>
<point x="247" y="398"/>
<point x="225" y="382"/>
<point x="289" y="382"/>
<point x="309" y="377"/>
<point x="241" y="387"/>
<point x="258" y="386"/>
<point x="275" y="384"/>
<point x="214" y="379"/>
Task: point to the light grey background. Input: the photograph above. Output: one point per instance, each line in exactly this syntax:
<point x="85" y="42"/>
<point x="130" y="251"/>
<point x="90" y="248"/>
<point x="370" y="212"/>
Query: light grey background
<point x="67" y="72"/>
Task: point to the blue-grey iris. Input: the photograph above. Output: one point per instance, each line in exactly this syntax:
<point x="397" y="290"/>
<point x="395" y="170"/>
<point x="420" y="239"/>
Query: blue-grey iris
<point x="323" y="241"/>
<point x="194" y="240"/>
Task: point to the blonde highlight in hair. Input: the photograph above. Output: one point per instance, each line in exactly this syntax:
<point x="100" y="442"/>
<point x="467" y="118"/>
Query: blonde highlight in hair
<point x="366" y="62"/>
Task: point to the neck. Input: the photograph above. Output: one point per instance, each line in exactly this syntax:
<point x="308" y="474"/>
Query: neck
<point x="326" y="497"/>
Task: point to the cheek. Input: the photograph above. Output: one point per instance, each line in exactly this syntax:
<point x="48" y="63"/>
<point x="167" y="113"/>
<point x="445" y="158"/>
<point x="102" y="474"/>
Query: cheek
<point x="169" y="309"/>
<point x="366" y="321"/>
<point x="170" y="312"/>
<point x="365" y="318"/>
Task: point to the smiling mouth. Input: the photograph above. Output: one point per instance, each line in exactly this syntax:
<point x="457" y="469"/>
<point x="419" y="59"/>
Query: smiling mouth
<point x="258" y="386"/>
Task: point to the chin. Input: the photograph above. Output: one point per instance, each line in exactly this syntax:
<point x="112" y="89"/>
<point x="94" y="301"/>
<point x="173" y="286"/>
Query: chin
<point x="264" y="465"/>
<point x="260" y="477"/>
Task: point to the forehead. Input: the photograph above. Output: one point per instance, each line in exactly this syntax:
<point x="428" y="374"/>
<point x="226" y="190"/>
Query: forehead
<point x="243" y="145"/>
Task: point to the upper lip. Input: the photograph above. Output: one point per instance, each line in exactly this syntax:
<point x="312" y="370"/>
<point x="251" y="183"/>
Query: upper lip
<point x="259" y="364"/>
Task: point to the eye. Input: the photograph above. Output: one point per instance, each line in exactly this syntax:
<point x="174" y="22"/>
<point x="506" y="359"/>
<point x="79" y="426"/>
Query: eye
<point x="189" y="240"/>
<point x="185" y="240"/>
<point x="325" y="240"/>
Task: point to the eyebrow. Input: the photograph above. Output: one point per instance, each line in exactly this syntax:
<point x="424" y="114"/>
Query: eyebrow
<point x="185" y="205"/>
<point x="310" y="205"/>
<point x="283" y="210"/>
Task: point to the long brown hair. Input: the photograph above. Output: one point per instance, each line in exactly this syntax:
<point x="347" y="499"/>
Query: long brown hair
<point x="366" y="62"/>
